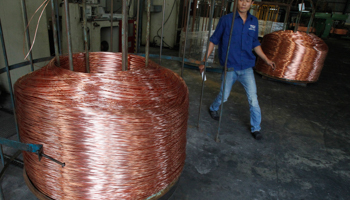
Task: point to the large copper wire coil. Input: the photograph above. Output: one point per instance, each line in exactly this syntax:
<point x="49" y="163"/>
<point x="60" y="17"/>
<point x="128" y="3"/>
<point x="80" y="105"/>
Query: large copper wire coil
<point x="121" y="134"/>
<point x="298" y="56"/>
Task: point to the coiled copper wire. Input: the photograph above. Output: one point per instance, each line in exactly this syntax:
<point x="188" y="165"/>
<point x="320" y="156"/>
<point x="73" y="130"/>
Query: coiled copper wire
<point x="121" y="134"/>
<point x="298" y="56"/>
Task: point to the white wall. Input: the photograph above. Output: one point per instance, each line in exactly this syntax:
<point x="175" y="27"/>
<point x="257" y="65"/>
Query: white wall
<point x="156" y="22"/>
<point x="13" y="29"/>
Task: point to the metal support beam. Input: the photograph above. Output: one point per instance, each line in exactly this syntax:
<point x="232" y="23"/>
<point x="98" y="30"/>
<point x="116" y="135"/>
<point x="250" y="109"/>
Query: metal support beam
<point x="225" y="70"/>
<point x="87" y="63"/>
<point x="34" y="148"/>
<point x="161" y="38"/>
<point x="26" y="28"/>
<point x="148" y="30"/>
<point x="69" y="41"/>
<point x="9" y="78"/>
<point x="125" y="36"/>
<point x="206" y="60"/>
<point x="137" y="47"/>
<point x="111" y="38"/>
<point x="54" y="26"/>
<point x="187" y="23"/>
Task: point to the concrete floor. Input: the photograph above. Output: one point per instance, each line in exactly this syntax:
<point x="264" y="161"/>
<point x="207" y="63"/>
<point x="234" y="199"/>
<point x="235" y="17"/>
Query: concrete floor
<point x="305" y="153"/>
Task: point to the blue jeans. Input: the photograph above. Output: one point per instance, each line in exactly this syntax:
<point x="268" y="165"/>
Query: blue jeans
<point x="247" y="79"/>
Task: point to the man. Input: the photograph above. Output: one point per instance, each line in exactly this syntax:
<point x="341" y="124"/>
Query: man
<point x="241" y="59"/>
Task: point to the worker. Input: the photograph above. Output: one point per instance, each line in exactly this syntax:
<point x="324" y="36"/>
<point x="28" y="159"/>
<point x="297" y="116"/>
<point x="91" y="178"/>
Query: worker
<point x="241" y="60"/>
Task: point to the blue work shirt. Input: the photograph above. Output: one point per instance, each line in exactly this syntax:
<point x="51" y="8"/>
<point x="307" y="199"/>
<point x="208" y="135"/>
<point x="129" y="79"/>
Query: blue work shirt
<point x="244" y="40"/>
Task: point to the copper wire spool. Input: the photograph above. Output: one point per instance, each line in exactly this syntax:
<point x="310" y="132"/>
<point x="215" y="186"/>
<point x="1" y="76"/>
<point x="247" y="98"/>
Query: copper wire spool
<point x="298" y="56"/>
<point x="121" y="134"/>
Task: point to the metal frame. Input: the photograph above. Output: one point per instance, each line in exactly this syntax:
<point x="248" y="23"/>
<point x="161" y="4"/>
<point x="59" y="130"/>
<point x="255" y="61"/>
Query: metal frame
<point x="37" y="148"/>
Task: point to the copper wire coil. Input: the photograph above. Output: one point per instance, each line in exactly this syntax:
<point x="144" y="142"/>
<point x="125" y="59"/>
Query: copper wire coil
<point x="298" y="56"/>
<point x="121" y="134"/>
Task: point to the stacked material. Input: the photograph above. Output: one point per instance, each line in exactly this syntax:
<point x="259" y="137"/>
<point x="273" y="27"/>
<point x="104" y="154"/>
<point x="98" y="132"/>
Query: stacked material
<point x="298" y="56"/>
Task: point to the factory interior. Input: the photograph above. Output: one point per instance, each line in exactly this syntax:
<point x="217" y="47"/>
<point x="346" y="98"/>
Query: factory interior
<point x="104" y="99"/>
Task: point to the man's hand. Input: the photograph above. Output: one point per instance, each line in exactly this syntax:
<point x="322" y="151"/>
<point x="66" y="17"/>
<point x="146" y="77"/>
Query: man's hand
<point x="201" y="68"/>
<point x="271" y="63"/>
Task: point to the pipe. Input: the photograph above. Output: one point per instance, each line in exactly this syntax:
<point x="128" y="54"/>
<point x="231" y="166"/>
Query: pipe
<point x="58" y="27"/>
<point x="225" y="70"/>
<point x="138" y="28"/>
<point x="187" y="23"/>
<point x="69" y="41"/>
<point x="161" y="38"/>
<point x="125" y="36"/>
<point x="206" y="60"/>
<point x="9" y="78"/>
<point x="26" y="28"/>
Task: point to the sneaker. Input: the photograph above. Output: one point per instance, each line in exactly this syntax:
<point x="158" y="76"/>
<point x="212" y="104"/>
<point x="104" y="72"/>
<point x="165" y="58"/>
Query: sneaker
<point x="214" y="114"/>
<point x="257" y="135"/>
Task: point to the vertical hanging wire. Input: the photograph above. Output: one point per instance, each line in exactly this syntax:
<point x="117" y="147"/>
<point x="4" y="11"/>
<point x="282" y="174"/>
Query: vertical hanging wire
<point x="187" y="23"/>
<point x="137" y="29"/>
<point x="225" y="70"/>
<point x="206" y="60"/>
<point x="161" y="38"/>
<point x="125" y="36"/>
<point x="148" y="30"/>
<point x="69" y="41"/>
<point x="25" y="20"/>
<point x="8" y="77"/>
<point x="54" y="26"/>
<point x="111" y="38"/>
<point x="87" y="64"/>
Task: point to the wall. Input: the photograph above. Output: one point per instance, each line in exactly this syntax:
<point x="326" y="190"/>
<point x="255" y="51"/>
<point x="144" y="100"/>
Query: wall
<point x="13" y="28"/>
<point x="170" y="27"/>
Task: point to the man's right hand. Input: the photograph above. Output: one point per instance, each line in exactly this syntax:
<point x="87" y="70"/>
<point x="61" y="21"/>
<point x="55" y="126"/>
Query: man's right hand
<point x="201" y="68"/>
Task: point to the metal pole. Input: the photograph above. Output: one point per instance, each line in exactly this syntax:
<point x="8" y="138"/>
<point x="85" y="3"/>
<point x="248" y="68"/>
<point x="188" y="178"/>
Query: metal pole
<point x="225" y="70"/>
<point x="187" y="23"/>
<point x="69" y="41"/>
<point x="58" y="27"/>
<point x="206" y="60"/>
<point x="125" y="37"/>
<point x="87" y="64"/>
<point x="137" y="29"/>
<point x="312" y="16"/>
<point x="55" y="39"/>
<point x="111" y="40"/>
<point x="147" y="30"/>
<point x="26" y="28"/>
<point x="9" y="78"/>
<point x="161" y="38"/>
<point x="2" y="156"/>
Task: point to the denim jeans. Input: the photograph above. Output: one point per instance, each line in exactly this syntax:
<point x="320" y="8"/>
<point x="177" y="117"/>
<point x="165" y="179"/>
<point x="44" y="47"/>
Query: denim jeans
<point x="247" y="79"/>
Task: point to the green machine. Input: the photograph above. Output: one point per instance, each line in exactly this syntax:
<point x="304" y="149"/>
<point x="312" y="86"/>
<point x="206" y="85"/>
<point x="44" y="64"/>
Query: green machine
<point x="324" y="22"/>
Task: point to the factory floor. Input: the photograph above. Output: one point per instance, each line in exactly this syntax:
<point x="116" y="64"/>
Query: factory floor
<point x="305" y="153"/>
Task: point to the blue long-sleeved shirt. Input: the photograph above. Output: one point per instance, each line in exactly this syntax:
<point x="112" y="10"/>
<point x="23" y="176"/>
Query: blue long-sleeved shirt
<point x="244" y="40"/>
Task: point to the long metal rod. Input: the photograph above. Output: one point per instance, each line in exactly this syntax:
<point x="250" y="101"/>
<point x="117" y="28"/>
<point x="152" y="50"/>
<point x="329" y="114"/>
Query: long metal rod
<point x="58" y="27"/>
<point x="69" y="41"/>
<point x="9" y="78"/>
<point x="111" y="38"/>
<point x="161" y="38"/>
<point x="225" y="70"/>
<point x="148" y="30"/>
<point x="87" y="63"/>
<point x="54" y="26"/>
<point x="187" y="23"/>
<point x="2" y="156"/>
<point x="26" y="28"/>
<point x="125" y="36"/>
<point x="25" y="63"/>
<point x="137" y="28"/>
<point x="206" y="60"/>
<point x="312" y="16"/>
